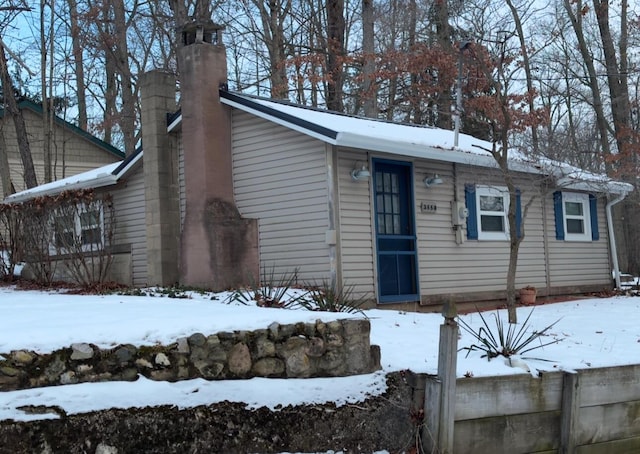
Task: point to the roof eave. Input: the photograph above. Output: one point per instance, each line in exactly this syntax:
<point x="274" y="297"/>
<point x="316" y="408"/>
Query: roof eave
<point x="103" y="180"/>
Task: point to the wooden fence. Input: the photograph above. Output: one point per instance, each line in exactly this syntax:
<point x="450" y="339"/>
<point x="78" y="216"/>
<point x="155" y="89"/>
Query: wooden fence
<point x="590" y="411"/>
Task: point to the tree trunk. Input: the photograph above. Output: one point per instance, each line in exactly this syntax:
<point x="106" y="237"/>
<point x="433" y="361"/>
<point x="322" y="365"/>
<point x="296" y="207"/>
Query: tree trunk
<point x="601" y="119"/>
<point x="443" y="37"/>
<point x="11" y="107"/>
<point x="273" y="33"/>
<point x="335" y="54"/>
<point x="78" y="66"/>
<point x="369" y="93"/>
<point x="121" y="57"/>
<point x="618" y="88"/>
<point x="524" y="52"/>
<point x="5" y="171"/>
<point x="47" y="100"/>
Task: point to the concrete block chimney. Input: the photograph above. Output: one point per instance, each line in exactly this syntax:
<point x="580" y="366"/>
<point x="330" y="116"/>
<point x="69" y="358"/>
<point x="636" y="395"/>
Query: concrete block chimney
<point x="219" y="248"/>
<point x="162" y="207"/>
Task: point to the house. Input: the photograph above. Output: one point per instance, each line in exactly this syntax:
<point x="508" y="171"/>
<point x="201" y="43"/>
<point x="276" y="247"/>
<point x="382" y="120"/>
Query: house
<point x="232" y="183"/>
<point x="74" y="150"/>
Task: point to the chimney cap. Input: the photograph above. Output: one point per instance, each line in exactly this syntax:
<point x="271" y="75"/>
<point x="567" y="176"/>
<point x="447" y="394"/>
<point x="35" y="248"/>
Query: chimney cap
<point x="201" y="31"/>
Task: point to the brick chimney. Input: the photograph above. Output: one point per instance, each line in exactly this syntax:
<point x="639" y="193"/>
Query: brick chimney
<point x="219" y="248"/>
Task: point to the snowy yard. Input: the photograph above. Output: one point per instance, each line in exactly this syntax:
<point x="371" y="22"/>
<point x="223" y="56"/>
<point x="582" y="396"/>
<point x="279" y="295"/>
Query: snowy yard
<point x="591" y="333"/>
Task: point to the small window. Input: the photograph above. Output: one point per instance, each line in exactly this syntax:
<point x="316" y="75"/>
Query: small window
<point x="90" y="227"/>
<point x="77" y="229"/>
<point x="64" y="231"/>
<point x="576" y="217"/>
<point x="492" y="207"/>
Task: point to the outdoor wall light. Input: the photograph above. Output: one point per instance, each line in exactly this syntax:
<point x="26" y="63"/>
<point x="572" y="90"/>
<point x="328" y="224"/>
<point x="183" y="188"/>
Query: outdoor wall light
<point x="433" y="181"/>
<point x="362" y="173"/>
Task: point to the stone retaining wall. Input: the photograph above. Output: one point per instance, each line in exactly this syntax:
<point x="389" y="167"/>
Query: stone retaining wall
<point x="337" y="348"/>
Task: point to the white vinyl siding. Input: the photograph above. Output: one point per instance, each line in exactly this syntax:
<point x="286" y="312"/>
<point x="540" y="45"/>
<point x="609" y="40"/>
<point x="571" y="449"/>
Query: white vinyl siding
<point x="574" y="263"/>
<point x="356" y="228"/>
<point x="473" y="266"/>
<point x="280" y="178"/>
<point x="129" y="203"/>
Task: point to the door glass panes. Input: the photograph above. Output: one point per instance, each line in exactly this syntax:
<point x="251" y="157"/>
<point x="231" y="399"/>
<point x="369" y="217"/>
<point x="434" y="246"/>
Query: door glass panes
<point x="388" y="204"/>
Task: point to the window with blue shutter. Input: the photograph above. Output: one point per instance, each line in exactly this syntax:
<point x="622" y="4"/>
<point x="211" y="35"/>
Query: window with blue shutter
<point x="488" y="212"/>
<point x="576" y="216"/>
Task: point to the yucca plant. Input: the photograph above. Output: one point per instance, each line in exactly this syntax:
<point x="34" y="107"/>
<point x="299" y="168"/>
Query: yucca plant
<point x="333" y="298"/>
<point x="501" y="341"/>
<point x="271" y="292"/>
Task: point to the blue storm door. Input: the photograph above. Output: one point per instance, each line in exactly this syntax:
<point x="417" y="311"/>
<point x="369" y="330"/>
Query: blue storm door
<point x="395" y="232"/>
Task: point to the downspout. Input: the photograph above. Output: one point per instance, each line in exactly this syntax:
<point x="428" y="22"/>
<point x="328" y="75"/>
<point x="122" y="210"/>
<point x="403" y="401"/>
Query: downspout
<point x="612" y="238"/>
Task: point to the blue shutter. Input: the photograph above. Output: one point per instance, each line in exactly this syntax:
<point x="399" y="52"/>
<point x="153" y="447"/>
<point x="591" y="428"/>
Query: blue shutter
<point x="472" y="219"/>
<point x="557" y="209"/>
<point x="593" y="209"/>
<point x="518" y="214"/>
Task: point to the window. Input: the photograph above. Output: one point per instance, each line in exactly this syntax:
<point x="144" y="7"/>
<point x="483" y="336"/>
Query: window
<point x="575" y="216"/>
<point x="79" y="228"/>
<point x="488" y="208"/>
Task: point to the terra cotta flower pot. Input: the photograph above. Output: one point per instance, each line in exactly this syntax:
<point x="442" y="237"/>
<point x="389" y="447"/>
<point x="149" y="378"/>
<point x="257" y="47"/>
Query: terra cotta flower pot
<point x="527" y="295"/>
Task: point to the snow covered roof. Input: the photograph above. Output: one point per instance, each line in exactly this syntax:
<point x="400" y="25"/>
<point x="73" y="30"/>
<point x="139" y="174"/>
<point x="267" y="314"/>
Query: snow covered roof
<point x="355" y="132"/>
<point x="106" y="175"/>
<point x="410" y="140"/>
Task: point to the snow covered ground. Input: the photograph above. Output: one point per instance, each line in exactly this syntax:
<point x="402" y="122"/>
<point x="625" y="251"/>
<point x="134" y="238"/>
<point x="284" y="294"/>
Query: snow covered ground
<point x="591" y="333"/>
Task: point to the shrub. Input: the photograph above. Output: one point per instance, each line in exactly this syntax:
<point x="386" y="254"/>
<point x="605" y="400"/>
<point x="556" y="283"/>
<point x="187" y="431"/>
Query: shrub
<point x="271" y="292"/>
<point x="333" y="298"/>
<point x="507" y="342"/>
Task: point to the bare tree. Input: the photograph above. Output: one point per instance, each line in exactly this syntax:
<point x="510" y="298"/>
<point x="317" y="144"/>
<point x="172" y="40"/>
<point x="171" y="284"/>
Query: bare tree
<point x="12" y="109"/>
<point x="368" y="57"/>
<point x="335" y="54"/>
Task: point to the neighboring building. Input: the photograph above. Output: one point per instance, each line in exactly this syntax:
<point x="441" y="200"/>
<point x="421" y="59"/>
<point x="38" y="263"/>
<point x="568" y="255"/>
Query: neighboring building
<point x="232" y="183"/>
<point x="73" y="151"/>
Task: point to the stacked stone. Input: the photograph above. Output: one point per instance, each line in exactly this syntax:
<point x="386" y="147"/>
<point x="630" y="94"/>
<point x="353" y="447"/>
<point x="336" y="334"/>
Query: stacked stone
<point x="332" y="349"/>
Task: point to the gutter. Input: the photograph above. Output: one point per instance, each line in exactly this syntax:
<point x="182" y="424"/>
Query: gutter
<point x="104" y="179"/>
<point x="612" y="238"/>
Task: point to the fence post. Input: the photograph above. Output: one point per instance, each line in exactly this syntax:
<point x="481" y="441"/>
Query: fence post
<point x="570" y="412"/>
<point x="447" y="362"/>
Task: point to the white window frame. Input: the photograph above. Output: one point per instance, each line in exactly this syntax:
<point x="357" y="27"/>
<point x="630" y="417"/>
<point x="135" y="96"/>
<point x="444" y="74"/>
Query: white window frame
<point x="78" y="229"/>
<point x="583" y="199"/>
<point x="493" y="191"/>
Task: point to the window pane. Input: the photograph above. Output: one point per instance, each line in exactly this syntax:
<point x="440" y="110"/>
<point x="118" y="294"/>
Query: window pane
<point x="575" y="226"/>
<point x="492" y="223"/>
<point x="387" y="182"/>
<point x="396" y="224"/>
<point x="91" y="236"/>
<point x="380" y="203"/>
<point x="89" y="218"/>
<point x="573" y="208"/>
<point x="491" y="203"/>
<point x="394" y="183"/>
<point x="396" y="205"/>
<point x="378" y="181"/>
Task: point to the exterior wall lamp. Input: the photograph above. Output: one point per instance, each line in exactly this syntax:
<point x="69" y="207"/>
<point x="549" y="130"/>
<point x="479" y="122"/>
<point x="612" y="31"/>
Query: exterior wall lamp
<point x="360" y="174"/>
<point x="435" y="180"/>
